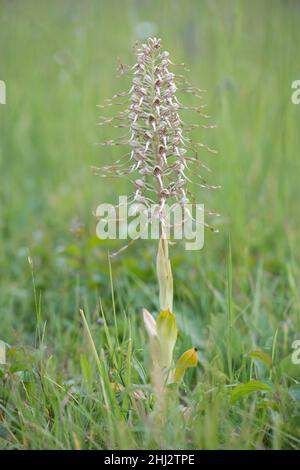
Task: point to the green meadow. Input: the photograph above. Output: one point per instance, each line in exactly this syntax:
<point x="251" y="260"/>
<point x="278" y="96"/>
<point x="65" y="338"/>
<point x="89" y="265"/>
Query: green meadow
<point x="72" y="382"/>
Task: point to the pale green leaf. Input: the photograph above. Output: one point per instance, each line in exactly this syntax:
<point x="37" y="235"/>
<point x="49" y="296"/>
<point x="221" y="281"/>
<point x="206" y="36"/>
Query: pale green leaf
<point x="167" y="334"/>
<point x="188" y="359"/>
<point x="262" y="357"/>
<point x="242" y="390"/>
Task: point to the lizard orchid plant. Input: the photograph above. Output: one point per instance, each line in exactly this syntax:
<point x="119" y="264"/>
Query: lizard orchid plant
<point x="159" y="163"/>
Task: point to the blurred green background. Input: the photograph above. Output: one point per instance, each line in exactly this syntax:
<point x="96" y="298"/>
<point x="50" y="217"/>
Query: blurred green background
<point x="58" y="60"/>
